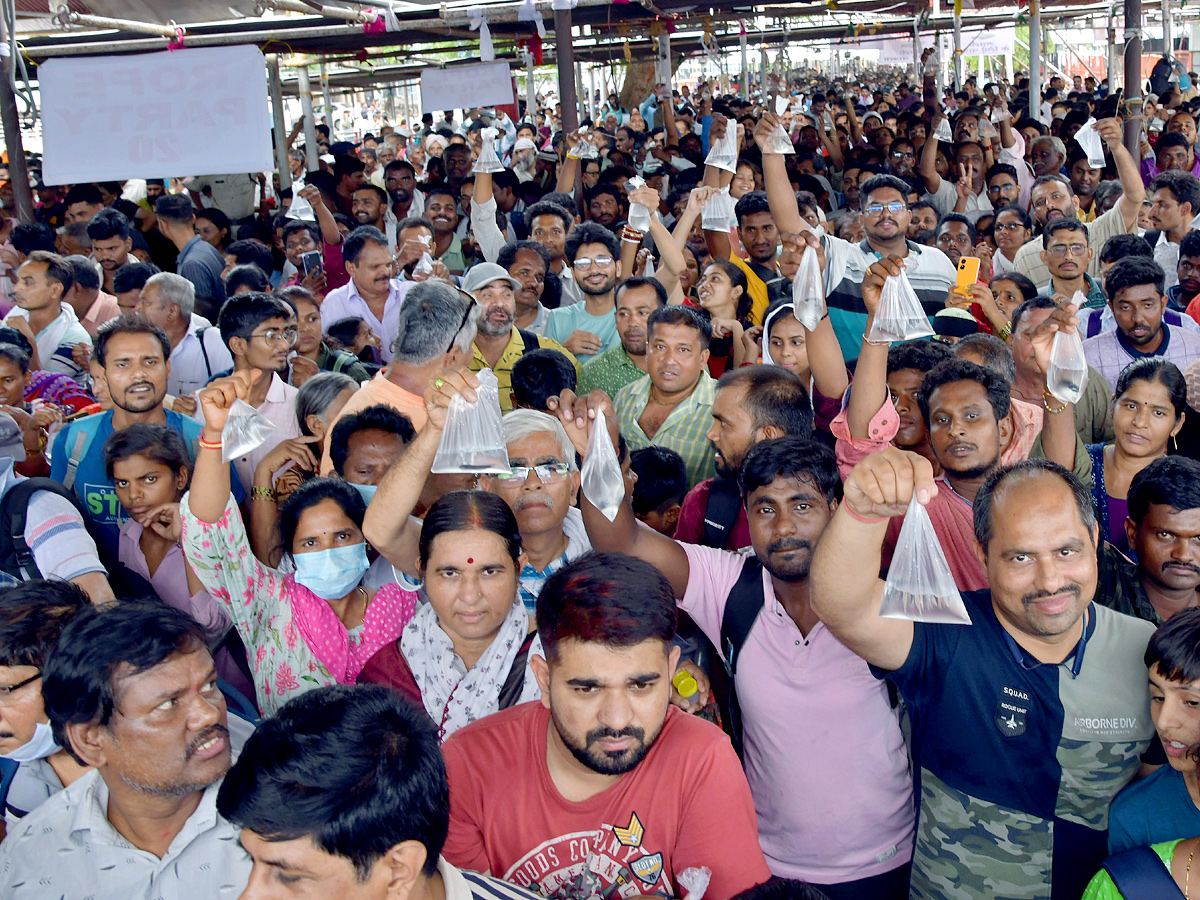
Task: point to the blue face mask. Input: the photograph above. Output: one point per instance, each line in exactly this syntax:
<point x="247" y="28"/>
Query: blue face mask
<point x="367" y="491"/>
<point x="332" y="574"/>
<point x="39" y="746"/>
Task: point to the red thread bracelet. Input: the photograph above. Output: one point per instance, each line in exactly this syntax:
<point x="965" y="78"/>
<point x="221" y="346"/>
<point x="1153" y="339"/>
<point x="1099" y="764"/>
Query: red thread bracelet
<point x="208" y="445"/>
<point x="852" y="514"/>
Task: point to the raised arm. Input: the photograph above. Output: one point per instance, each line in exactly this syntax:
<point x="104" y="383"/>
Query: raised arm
<point x="208" y="505"/>
<point x="625" y="534"/>
<point x="780" y="196"/>
<point x="1059" y="439"/>
<point x="1133" y="191"/>
<point x="856" y="133"/>
<point x="825" y="359"/>
<point x="870" y="373"/>
<point x="325" y="220"/>
<point x="845" y="586"/>
<point x="488" y="235"/>
<point x="927" y="166"/>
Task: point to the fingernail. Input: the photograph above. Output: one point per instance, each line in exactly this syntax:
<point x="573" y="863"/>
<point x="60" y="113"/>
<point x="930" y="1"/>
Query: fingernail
<point x="923" y="496"/>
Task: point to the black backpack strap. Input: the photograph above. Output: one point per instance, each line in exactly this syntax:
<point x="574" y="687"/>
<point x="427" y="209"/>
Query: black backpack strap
<point x="510" y="691"/>
<point x="1139" y="874"/>
<point x="203" y="349"/>
<point x="16" y="556"/>
<point x="742" y="606"/>
<point x="529" y="339"/>
<point x="721" y="511"/>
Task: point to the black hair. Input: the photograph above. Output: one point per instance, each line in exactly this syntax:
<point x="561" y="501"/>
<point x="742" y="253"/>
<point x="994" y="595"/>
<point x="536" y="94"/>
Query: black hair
<point x="922" y="355"/>
<point x="344" y="164"/>
<point x="1062" y="223"/>
<point x="1021" y="214"/>
<point x="749" y="204"/>
<point x="58" y="270"/>
<point x="356" y="769"/>
<point x="1039" y="301"/>
<point x="33" y="616"/>
<point x="467" y="511"/>
<point x="296" y="227"/>
<point x="252" y="252"/>
<point x="954" y="370"/>
<point x="216" y="216"/>
<point x="1171" y="139"/>
<point x="84" y="193"/>
<point x="660" y="292"/>
<point x="773" y="396"/>
<point x="378" y="418"/>
<point x="921" y="204"/>
<point x="85" y="272"/>
<point x="877" y="182"/>
<point x="1155" y="369"/>
<point x="1133" y="272"/>
<point x="662" y="480"/>
<point x="508" y="253"/>
<point x="546" y="207"/>
<point x="591" y="233"/>
<point x="78" y="679"/>
<point x="18" y="356"/>
<point x="128" y="324"/>
<point x="1174" y="648"/>
<point x="1000" y="169"/>
<point x="605" y="187"/>
<point x="1172" y="481"/>
<point x="1119" y="246"/>
<point x="995" y="353"/>
<point x="1028" y="468"/>
<point x="737" y="278"/>
<point x="790" y="457"/>
<point x="606" y="598"/>
<point x="1190" y="244"/>
<point x="242" y="314"/>
<point x="158" y="443"/>
<point x="133" y="276"/>
<point x="30" y="236"/>
<point x="247" y="276"/>
<point x="379" y="192"/>
<point x="681" y="315"/>
<point x="440" y="189"/>
<point x="345" y="331"/>
<point x="539" y="375"/>
<point x="357" y="240"/>
<point x="177" y="208"/>
<point x="949" y="217"/>
<point x="1024" y="285"/>
<point x="308" y="495"/>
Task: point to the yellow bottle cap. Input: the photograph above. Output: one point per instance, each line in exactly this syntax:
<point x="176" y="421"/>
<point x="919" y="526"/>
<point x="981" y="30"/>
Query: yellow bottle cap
<point x="685" y="684"/>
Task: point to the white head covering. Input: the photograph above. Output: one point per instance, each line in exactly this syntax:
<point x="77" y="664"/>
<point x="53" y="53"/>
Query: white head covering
<point x="524" y="144"/>
<point x="766" y="335"/>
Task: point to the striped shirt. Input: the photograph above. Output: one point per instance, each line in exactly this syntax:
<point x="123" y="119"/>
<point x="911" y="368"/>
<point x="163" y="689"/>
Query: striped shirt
<point x="683" y="430"/>
<point x="463" y="884"/>
<point x="1028" y="260"/>
<point x="1109" y="353"/>
<point x="929" y="271"/>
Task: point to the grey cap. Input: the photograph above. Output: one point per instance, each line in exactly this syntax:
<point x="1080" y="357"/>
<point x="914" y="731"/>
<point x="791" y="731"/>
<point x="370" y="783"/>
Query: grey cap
<point x="481" y="275"/>
<point x="12" y="442"/>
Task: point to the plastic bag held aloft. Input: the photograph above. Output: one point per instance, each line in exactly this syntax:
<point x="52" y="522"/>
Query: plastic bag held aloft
<point x="899" y="316"/>
<point x="778" y="140"/>
<point x="246" y="429"/>
<point x="919" y="586"/>
<point x="1092" y="143"/>
<point x="473" y="439"/>
<point x="639" y="216"/>
<point x="942" y="132"/>
<point x="718" y="211"/>
<point x="584" y="149"/>
<point x="424" y="265"/>
<point x="723" y="152"/>
<point x="1067" y="373"/>
<point x="488" y="161"/>
<point x="601" y="478"/>
<point x="808" y="290"/>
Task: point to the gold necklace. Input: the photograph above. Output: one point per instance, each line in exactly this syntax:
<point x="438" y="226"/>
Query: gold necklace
<point x="1187" y="872"/>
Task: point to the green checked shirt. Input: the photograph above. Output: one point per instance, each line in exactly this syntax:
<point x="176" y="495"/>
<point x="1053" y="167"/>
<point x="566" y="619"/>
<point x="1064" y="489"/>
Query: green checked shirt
<point x="610" y="371"/>
<point x="683" y="431"/>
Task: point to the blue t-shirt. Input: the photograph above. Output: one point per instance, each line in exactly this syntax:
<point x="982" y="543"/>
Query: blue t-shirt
<point x="566" y="320"/>
<point x="95" y="489"/>
<point x="1155" y="809"/>
<point x="1017" y="761"/>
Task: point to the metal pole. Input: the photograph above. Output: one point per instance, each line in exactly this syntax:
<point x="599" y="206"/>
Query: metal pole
<point x="762" y="50"/>
<point x="1133" y="76"/>
<point x="745" y="68"/>
<point x="580" y="91"/>
<point x="917" y="74"/>
<point x="1114" y="63"/>
<point x="593" y="103"/>
<point x="281" y="150"/>
<point x="1035" y="59"/>
<point x="327" y="94"/>
<point x="530" y="93"/>
<point x="1168" y="50"/>
<point x="18" y="173"/>
<point x="564" y="55"/>
<point x="310" y="126"/>
<point x="957" y="52"/>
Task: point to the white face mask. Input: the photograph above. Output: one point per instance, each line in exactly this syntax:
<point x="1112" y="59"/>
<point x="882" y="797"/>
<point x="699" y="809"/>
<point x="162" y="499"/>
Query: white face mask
<point x="39" y="746"/>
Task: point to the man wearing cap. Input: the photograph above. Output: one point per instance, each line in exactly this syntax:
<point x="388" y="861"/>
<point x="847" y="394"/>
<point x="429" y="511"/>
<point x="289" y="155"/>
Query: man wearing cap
<point x="523" y="159"/>
<point x="498" y="342"/>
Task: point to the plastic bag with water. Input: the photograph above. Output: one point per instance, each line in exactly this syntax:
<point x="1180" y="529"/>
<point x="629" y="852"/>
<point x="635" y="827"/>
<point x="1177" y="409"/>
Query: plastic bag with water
<point x="920" y="586"/>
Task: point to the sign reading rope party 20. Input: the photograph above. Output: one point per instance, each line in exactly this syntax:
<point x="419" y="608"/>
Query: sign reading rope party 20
<point x="194" y="111"/>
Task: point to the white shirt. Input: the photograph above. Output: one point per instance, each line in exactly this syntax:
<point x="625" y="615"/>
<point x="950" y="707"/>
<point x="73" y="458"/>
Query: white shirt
<point x="188" y="370"/>
<point x="1166" y="254"/>
<point x="571" y="294"/>
<point x="346" y="301"/>
<point x="68" y="849"/>
<point x="56" y="341"/>
<point x="280" y="410"/>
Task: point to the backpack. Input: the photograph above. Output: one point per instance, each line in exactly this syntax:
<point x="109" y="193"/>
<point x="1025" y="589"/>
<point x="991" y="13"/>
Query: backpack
<point x="1140" y="875"/>
<point x="1160" y="77"/>
<point x="721" y="511"/>
<point x="82" y="433"/>
<point x="16" y="556"/>
<point x="742" y="606"/>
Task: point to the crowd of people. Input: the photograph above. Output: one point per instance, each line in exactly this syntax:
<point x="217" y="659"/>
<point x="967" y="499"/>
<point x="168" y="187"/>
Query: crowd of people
<point x="258" y="639"/>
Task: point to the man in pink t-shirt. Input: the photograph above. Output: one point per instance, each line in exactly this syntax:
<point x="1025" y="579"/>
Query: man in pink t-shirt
<point x="602" y="789"/>
<point x="823" y="751"/>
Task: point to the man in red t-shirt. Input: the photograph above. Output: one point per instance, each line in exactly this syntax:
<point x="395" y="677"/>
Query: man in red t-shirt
<point x="602" y="789"/>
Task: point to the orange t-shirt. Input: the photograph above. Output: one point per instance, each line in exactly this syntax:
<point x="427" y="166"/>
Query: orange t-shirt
<point x="377" y="392"/>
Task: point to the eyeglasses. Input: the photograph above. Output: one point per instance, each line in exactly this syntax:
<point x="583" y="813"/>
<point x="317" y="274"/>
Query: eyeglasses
<point x="7" y="689"/>
<point x="900" y="154"/>
<point x="583" y="263"/>
<point x="895" y="206"/>
<point x="547" y="473"/>
<point x="275" y="335"/>
<point x="1012" y="226"/>
<point x="997" y="188"/>
<point x="465" y="318"/>
<point x="1058" y="251"/>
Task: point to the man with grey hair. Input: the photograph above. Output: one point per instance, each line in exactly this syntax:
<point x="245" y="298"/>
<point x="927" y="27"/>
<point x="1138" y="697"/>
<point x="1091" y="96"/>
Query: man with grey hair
<point x="197" y="351"/>
<point x="1049" y="155"/>
<point x="541" y="491"/>
<point x="434" y="329"/>
<point x="92" y="306"/>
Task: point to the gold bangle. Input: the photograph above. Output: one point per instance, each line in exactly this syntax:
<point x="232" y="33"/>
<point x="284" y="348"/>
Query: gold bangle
<point x="1005" y="331"/>
<point x="1047" y="397"/>
<point x="264" y="493"/>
